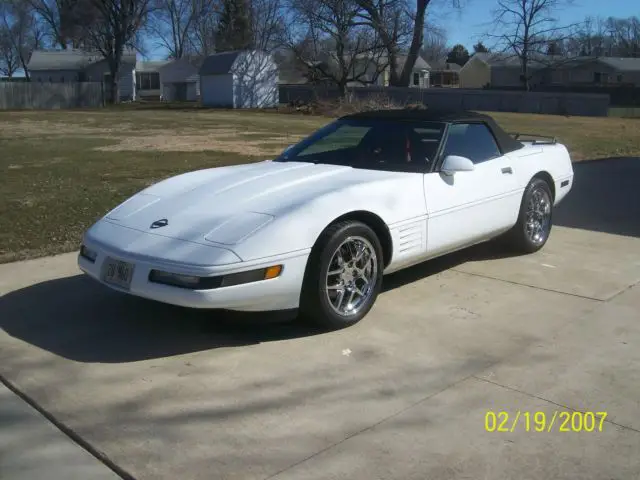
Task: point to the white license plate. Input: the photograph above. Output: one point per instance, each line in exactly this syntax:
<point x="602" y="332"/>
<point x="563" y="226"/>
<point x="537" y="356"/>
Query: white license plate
<point x="118" y="273"/>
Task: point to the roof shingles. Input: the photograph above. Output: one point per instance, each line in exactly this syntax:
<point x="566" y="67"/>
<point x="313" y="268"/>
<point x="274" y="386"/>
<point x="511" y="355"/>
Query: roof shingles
<point x="69" y="59"/>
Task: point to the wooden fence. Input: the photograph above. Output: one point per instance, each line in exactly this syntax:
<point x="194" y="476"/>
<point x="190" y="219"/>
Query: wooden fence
<point x="50" y="96"/>
<point x="467" y="99"/>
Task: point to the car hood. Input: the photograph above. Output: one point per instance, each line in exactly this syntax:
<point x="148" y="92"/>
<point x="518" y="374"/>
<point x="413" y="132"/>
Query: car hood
<point x="227" y="204"/>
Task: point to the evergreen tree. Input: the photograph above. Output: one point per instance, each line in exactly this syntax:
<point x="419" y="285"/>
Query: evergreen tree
<point x="458" y="54"/>
<point x="234" y="27"/>
<point x="480" y="48"/>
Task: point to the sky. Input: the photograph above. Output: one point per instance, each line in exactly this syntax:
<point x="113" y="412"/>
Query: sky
<point x="467" y="25"/>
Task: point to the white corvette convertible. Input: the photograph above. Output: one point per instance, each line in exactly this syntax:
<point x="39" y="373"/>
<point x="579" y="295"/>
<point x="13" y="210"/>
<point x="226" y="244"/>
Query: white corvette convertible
<point x="317" y="227"/>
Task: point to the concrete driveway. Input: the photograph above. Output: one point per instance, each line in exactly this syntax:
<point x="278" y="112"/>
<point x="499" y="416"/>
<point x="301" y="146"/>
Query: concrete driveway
<point x="165" y="392"/>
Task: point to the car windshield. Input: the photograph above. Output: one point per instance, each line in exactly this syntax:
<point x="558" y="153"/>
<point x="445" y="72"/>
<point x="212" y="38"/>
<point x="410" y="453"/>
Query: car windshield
<point x="371" y="144"/>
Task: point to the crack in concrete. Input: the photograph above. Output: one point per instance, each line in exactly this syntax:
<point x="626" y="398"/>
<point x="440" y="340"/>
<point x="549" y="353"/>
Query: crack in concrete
<point x="512" y="282"/>
<point x="70" y="433"/>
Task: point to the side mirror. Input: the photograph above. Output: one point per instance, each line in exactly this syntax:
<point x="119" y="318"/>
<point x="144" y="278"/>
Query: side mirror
<point x="455" y="163"/>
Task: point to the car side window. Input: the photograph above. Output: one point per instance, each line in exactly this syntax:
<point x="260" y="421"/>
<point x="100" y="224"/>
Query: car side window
<point x="471" y="140"/>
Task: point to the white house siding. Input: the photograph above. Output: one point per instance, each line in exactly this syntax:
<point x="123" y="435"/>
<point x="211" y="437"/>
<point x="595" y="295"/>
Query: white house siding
<point x="217" y="90"/>
<point x="475" y="74"/>
<point x="193" y="91"/>
<point x="127" y="82"/>
<point x="255" y="81"/>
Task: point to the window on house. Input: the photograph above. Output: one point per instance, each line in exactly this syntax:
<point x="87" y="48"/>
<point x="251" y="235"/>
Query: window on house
<point x="148" y="81"/>
<point x="61" y="79"/>
<point x="619" y="78"/>
<point x="50" y="79"/>
<point x="599" y="77"/>
<point x="416" y="78"/>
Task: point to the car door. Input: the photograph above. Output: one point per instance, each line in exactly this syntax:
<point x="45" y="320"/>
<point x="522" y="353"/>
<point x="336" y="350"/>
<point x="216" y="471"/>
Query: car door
<point x="468" y="206"/>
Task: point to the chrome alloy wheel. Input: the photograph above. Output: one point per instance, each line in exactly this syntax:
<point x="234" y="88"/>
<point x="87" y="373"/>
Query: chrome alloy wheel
<point x="538" y="217"/>
<point x="353" y="270"/>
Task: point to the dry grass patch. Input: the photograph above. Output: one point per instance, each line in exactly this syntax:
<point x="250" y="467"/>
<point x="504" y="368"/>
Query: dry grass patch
<point x="195" y="143"/>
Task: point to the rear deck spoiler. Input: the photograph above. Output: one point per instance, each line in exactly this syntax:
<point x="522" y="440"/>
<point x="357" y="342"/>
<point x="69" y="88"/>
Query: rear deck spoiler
<point x="536" y="139"/>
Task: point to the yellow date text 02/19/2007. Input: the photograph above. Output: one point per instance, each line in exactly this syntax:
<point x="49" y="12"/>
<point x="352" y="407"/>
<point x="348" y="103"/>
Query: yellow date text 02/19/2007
<point x="558" y="421"/>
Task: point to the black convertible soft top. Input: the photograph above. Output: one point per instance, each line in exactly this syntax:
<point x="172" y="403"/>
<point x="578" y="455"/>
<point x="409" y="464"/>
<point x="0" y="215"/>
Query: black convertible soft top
<point x="505" y="141"/>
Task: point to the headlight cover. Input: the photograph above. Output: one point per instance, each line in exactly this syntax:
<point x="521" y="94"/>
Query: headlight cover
<point x="238" y="227"/>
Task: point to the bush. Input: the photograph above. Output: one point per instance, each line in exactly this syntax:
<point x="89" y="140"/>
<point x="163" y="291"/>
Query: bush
<point x="345" y="106"/>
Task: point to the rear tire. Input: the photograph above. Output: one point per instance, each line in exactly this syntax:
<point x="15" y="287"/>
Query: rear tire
<point x="343" y="276"/>
<point x="535" y="219"/>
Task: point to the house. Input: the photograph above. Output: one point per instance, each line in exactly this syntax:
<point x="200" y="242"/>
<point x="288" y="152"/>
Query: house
<point x="504" y="71"/>
<point x="59" y="66"/>
<point x="180" y="80"/>
<point x="148" y="83"/>
<point x="239" y="79"/>
<point x="169" y="79"/>
<point x="445" y="74"/>
<point x="420" y="74"/>
<point x="369" y="69"/>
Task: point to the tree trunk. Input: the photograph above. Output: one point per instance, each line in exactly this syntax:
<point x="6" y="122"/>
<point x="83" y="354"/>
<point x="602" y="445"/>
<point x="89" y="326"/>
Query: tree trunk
<point x="416" y="44"/>
<point x="114" y="69"/>
<point x="342" y="88"/>
<point x="23" y="62"/>
<point x="525" y="72"/>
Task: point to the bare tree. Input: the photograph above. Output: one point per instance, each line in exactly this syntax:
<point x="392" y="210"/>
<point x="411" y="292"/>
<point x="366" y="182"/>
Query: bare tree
<point x="21" y="32"/>
<point x="396" y="26"/>
<point x="329" y="38"/>
<point x="65" y="21"/>
<point x="605" y="37"/>
<point x="526" y="26"/>
<point x="401" y="28"/>
<point x="624" y="34"/>
<point x="203" y="31"/>
<point x="174" y="22"/>
<point x="434" y="48"/>
<point x="9" y="59"/>
<point x="268" y="22"/>
<point x="117" y="28"/>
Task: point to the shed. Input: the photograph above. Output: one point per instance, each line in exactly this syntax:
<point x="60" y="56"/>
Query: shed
<point x="180" y="80"/>
<point x="239" y="79"/>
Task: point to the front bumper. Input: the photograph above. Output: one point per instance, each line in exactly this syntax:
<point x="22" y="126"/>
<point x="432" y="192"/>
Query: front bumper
<point x="280" y="293"/>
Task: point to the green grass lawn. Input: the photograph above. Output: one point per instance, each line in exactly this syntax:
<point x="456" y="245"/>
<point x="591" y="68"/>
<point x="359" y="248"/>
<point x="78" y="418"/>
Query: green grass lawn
<point x="62" y="170"/>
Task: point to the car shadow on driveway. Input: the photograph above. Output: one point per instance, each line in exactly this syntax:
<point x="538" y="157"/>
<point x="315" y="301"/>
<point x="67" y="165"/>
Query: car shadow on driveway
<point x="605" y="197"/>
<point x="82" y="320"/>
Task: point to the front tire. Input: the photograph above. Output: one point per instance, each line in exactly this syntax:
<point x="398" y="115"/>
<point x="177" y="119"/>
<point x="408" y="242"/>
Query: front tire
<point x="535" y="219"/>
<point x="343" y="276"/>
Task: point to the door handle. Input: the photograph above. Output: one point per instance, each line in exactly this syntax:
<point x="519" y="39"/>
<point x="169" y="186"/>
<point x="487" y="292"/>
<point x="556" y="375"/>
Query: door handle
<point x="506" y="170"/>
